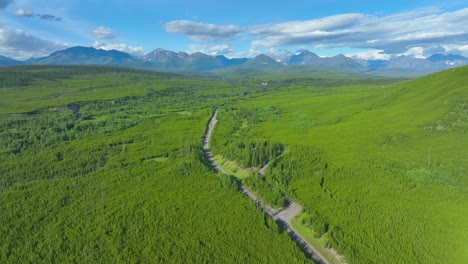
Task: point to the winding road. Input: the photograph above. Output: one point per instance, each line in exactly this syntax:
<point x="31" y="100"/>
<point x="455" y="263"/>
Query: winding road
<point x="283" y="216"/>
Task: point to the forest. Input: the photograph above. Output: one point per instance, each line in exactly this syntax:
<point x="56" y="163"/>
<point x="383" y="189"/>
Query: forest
<point x="127" y="182"/>
<point x="105" y="164"/>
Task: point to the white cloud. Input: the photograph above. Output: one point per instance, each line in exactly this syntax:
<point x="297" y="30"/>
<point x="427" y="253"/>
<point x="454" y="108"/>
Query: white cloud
<point x="304" y="32"/>
<point x="103" y="33"/>
<point x="5" y="3"/>
<point x="202" y="32"/>
<point x="252" y="52"/>
<point x="211" y="50"/>
<point x="417" y="52"/>
<point x="135" y="51"/>
<point x="370" y="55"/>
<point x="21" y="45"/>
<point x="316" y="27"/>
<point x="457" y="49"/>
<point x="392" y="34"/>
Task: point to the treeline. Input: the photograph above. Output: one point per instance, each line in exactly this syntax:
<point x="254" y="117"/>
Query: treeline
<point x="267" y="194"/>
<point x="298" y="163"/>
<point x="230" y="139"/>
<point x="22" y="76"/>
<point x="253" y="153"/>
<point x="42" y="129"/>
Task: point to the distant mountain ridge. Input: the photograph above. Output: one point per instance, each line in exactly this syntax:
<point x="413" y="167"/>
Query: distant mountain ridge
<point x="169" y="60"/>
<point x="6" y="62"/>
<point x="447" y="57"/>
<point x="85" y="56"/>
<point x="166" y="60"/>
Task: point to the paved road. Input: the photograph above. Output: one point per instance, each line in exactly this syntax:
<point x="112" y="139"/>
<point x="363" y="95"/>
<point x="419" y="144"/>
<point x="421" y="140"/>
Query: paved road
<point x="283" y="216"/>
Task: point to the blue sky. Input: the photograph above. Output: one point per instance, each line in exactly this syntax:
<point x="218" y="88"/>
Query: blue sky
<point x="359" y="28"/>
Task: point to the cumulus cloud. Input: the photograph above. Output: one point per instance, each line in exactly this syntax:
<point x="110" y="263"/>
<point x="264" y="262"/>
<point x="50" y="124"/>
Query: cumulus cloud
<point x="246" y="54"/>
<point x="417" y="52"/>
<point x="103" y="33"/>
<point x="211" y="50"/>
<point x="135" y="51"/>
<point x="20" y="45"/>
<point x="456" y="49"/>
<point x="202" y="32"/>
<point x="369" y="55"/>
<point x="393" y="34"/>
<point x="30" y="13"/>
<point x="311" y="28"/>
<point x="5" y="3"/>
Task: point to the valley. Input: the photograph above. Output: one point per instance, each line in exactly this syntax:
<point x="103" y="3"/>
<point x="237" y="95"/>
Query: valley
<point x="102" y="164"/>
<point x="283" y="216"/>
<point x="326" y="132"/>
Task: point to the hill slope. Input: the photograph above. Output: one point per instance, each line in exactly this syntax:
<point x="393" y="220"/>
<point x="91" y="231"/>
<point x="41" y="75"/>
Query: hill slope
<point x="380" y="170"/>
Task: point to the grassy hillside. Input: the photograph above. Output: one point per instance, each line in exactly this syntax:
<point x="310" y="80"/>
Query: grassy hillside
<point x="121" y="176"/>
<point x="380" y="169"/>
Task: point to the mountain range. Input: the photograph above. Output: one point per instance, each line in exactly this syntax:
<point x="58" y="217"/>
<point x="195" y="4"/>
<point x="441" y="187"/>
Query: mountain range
<point x="166" y="60"/>
<point x="5" y="62"/>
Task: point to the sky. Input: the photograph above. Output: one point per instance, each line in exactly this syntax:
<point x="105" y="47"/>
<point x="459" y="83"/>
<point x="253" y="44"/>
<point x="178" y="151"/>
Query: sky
<point x="357" y="28"/>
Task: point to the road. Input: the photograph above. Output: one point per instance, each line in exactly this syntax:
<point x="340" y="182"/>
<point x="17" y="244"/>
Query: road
<point x="283" y="216"/>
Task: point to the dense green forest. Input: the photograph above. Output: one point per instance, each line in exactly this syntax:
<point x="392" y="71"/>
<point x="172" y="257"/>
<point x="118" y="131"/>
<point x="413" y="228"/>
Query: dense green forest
<point x="106" y="165"/>
<point x="380" y="169"/>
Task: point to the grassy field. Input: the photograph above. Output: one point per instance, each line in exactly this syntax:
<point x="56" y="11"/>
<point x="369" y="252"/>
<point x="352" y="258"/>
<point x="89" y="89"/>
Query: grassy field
<point x="233" y="168"/>
<point x="381" y="169"/>
<point x="128" y="182"/>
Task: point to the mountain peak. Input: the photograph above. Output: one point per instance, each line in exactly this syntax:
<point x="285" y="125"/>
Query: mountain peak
<point x="262" y="56"/>
<point x="160" y="55"/>
<point x="304" y="57"/>
<point x="85" y="56"/>
<point x="305" y="52"/>
<point x="263" y="60"/>
<point x="161" y="59"/>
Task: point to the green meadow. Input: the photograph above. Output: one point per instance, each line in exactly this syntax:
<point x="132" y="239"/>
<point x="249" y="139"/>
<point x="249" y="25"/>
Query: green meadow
<point x="107" y="165"/>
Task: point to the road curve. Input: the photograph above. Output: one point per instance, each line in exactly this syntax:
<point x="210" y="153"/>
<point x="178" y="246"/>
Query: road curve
<point x="283" y="216"/>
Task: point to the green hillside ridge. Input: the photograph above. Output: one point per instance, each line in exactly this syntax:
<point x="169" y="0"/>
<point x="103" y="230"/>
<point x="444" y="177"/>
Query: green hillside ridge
<point x="381" y="170"/>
